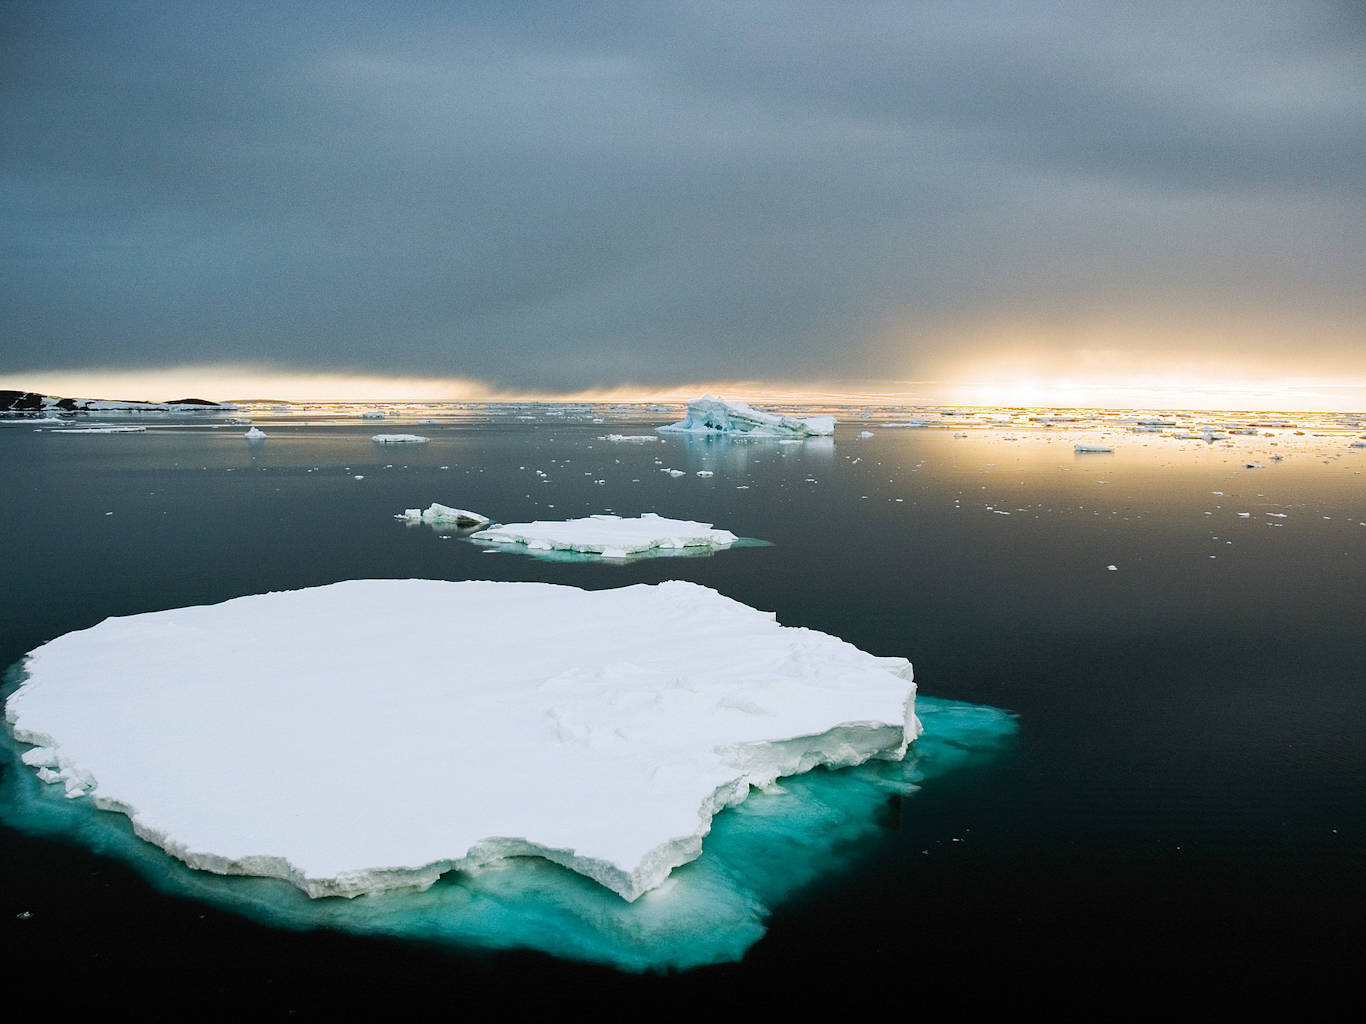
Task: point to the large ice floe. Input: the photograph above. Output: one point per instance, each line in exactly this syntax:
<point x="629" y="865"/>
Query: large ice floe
<point x="375" y="734"/>
<point x="708" y="415"/>
<point x="609" y="536"/>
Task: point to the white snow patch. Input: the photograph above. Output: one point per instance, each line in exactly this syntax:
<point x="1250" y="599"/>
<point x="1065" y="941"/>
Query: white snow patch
<point x="375" y="734"/>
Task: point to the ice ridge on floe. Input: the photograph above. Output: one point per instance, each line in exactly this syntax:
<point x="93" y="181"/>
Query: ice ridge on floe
<point x="708" y="415"/>
<point x="604" y="739"/>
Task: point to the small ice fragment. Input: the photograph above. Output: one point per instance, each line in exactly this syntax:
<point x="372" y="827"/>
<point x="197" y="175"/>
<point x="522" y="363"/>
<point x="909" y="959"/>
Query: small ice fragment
<point x="705" y="472"/>
<point x="1085" y="449"/>
<point x="399" y="439"/>
<point x="444" y="514"/>
<point x="1113" y="568"/>
<point x="865" y="433"/>
<point x="255" y="434"/>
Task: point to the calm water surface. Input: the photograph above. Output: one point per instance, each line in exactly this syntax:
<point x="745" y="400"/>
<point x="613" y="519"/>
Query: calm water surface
<point x="1182" y="805"/>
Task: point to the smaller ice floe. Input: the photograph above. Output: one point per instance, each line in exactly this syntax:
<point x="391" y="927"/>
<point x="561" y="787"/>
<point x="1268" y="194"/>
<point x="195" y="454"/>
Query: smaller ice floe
<point x="1209" y="436"/>
<point x="705" y="472"/>
<point x="399" y="439"/>
<point x="100" y="430"/>
<point x="1252" y="465"/>
<point x="865" y="433"/>
<point x="1097" y="449"/>
<point x="437" y="514"/>
<point x="1112" y="568"/>
<point x="1147" y="428"/>
<point x="255" y="434"/>
<point x="1358" y="443"/>
<point x="708" y="415"/>
<point x="629" y="438"/>
<point x="372" y="414"/>
<point x="610" y="536"/>
<point x="910" y="423"/>
<point x="959" y="435"/>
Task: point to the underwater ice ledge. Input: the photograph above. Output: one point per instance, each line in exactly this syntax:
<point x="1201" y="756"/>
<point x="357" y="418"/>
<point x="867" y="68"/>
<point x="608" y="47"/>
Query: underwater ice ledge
<point x="601" y="730"/>
<point x="759" y="854"/>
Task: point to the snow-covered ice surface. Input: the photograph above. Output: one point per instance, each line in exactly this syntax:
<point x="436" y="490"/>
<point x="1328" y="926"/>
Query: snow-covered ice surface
<point x="609" y="536"/>
<point x="606" y="746"/>
<point x="400" y="439"/>
<point x="708" y="415"/>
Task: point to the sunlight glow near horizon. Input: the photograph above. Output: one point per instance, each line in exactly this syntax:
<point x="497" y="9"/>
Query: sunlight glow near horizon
<point x="1007" y="389"/>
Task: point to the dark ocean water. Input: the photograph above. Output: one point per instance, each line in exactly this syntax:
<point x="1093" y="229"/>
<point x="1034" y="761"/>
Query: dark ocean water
<point x="1181" y="809"/>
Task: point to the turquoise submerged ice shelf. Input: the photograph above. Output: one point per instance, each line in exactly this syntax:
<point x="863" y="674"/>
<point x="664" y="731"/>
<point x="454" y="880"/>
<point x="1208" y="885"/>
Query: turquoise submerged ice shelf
<point x="712" y="910"/>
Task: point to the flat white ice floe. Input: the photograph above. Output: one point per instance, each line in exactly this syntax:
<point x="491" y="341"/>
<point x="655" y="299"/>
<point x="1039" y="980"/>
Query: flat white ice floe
<point x="400" y="439"/>
<point x="437" y="514"/>
<point x="708" y="415"/>
<point x="1084" y="449"/>
<point x="609" y="536"/>
<point x="374" y="734"/>
<point x="629" y="438"/>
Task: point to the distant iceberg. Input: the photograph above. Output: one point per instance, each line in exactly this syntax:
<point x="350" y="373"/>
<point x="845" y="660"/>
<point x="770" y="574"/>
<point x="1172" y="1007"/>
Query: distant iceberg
<point x="610" y="536"/>
<point x="708" y="415"/>
<point x="255" y="434"/>
<point x="399" y="439"/>
<point x="376" y="734"/>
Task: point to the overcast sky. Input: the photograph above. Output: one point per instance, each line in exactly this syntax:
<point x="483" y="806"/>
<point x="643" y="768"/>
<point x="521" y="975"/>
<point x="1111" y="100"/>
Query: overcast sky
<point x="565" y="195"/>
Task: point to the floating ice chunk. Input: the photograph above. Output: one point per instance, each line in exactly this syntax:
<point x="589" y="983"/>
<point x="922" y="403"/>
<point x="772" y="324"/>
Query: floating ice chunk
<point x="1113" y="568"/>
<point x="629" y="438"/>
<point x="1252" y="465"/>
<point x="865" y="433"/>
<point x="705" y="472"/>
<point x="674" y="472"/>
<point x="610" y="536"/>
<point x="438" y="514"/>
<point x="1083" y="449"/>
<point x="372" y="414"/>
<point x="708" y="415"/>
<point x="1359" y="443"/>
<point x="255" y="434"/>
<point x="399" y="439"/>
<point x="605" y="746"/>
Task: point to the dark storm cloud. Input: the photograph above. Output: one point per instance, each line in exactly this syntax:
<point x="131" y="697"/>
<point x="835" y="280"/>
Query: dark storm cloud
<point x="567" y="195"/>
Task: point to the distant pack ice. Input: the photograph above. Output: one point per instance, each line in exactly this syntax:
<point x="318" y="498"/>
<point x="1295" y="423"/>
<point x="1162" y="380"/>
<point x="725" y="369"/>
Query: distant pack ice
<point x="608" y="535"/>
<point x="708" y="415"/>
<point x="374" y="734"/>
